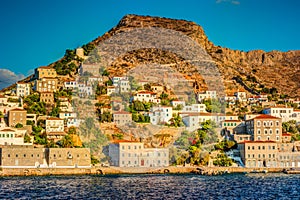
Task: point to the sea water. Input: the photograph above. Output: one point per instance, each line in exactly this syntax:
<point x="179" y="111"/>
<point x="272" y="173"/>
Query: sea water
<point x="152" y="186"/>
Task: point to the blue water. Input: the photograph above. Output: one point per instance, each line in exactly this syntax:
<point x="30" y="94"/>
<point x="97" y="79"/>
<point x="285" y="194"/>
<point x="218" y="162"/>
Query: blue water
<point x="232" y="186"/>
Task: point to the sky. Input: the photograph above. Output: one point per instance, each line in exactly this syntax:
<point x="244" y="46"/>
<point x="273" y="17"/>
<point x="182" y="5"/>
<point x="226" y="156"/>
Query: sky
<point x="36" y="33"/>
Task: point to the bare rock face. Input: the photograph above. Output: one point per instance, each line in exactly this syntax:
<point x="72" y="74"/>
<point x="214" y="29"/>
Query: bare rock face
<point x="271" y="69"/>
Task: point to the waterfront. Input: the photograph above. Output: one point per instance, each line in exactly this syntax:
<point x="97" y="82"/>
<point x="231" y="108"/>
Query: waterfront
<point x="152" y="186"/>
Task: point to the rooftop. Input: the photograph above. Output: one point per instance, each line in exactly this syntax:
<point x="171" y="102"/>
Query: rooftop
<point x="263" y="116"/>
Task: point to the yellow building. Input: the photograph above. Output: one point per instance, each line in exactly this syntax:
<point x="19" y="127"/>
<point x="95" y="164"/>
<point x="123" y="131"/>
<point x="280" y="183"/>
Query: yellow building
<point x="45" y="72"/>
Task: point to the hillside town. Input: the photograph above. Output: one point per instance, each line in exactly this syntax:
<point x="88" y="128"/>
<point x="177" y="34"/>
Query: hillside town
<point x="91" y="116"/>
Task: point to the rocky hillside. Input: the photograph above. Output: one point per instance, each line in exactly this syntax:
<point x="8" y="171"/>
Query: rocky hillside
<point x="265" y="69"/>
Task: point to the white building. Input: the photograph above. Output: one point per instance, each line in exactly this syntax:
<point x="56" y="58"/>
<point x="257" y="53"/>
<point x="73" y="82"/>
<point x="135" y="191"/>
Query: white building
<point x="146" y="96"/>
<point x="23" y="89"/>
<point x="3" y="100"/>
<point x="209" y="94"/>
<point x="85" y="90"/>
<point x="70" y="119"/>
<point x="54" y="124"/>
<point x="66" y="115"/>
<point x="281" y="112"/>
<point x="70" y="85"/>
<point x="12" y="136"/>
<point x="160" y="114"/>
<point x="175" y="103"/>
<point x="95" y="79"/>
<point x="73" y="122"/>
<point x="195" y="108"/>
<point x="133" y="154"/>
<point x="116" y="79"/>
<point x="124" y="86"/>
<point x="122" y="117"/>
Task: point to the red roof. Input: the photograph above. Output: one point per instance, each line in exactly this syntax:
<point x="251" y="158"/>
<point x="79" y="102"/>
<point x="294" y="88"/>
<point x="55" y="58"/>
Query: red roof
<point x="4" y="130"/>
<point x="122" y="112"/>
<point x="146" y="92"/>
<point x="263" y="116"/>
<point x="248" y="142"/>
<point x="231" y="121"/>
<point x="124" y="141"/>
<point x="286" y="134"/>
<point x="17" y="109"/>
<point x="54" y="118"/>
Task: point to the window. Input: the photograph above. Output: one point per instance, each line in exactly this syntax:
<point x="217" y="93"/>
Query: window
<point x="266" y="131"/>
<point x="258" y="123"/>
<point x="270" y="131"/>
<point x="258" y="147"/>
<point x="258" y="138"/>
<point x="277" y="123"/>
<point x="258" y="132"/>
<point x="8" y="155"/>
<point x="252" y="147"/>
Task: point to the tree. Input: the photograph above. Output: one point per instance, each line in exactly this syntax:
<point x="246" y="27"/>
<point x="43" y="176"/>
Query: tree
<point x="19" y="125"/>
<point x="27" y="138"/>
<point x="67" y="142"/>
<point x="222" y="160"/>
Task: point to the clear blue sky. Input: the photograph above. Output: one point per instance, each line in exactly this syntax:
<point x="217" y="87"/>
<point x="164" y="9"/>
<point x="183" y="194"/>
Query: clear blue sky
<point x="36" y="32"/>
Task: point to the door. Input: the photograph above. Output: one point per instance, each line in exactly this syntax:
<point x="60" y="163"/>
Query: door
<point x="142" y="162"/>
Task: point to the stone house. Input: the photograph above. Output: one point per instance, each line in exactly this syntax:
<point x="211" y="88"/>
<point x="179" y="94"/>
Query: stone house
<point x="12" y="136"/>
<point x="69" y="157"/>
<point x="45" y="72"/>
<point x="122" y="117"/>
<point x="46" y="85"/>
<point x="31" y="157"/>
<point x="47" y="97"/>
<point x="133" y="154"/>
<point x="15" y="116"/>
<point x="146" y="96"/>
<point x="264" y="128"/>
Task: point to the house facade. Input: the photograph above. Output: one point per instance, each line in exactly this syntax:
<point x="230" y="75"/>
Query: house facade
<point x="122" y="117"/>
<point x="45" y="85"/>
<point x="45" y="72"/>
<point x="16" y="116"/>
<point x="146" y="96"/>
<point x="23" y="89"/>
<point x="133" y="154"/>
<point x="30" y="157"/>
<point x="160" y="114"/>
<point x="12" y="136"/>
<point x="47" y="97"/>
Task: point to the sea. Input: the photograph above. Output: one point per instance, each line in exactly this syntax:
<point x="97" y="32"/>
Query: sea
<point x="153" y="186"/>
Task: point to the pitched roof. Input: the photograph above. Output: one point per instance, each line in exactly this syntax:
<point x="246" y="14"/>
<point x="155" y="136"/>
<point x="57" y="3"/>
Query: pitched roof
<point x="263" y="116"/>
<point x="54" y="118"/>
<point x="7" y="129"/>
<point x="17" y="109"/>
<point x="262" y="141"/>
<point x="122" y="112"/>
<point x="123" y="141"/>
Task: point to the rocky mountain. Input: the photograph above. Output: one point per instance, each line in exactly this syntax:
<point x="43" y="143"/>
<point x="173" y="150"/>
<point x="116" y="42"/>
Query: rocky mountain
<point x="255" y="70"/>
